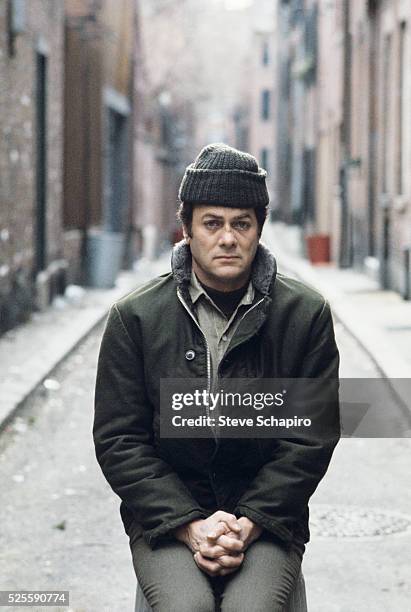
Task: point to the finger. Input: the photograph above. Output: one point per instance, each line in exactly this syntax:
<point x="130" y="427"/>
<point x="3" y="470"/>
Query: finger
<point x="225" y="571"/>
<point x="209" y="567"/>
<point x="229" y="519"/>
<point x="217" y="531"/>
<point x="232" y="534"/>
<point x="211" y="552"/>
<point x="230" y="544"/>
<point x="230" y="560"/>
<point x="223" y="528"/>
<point x="234" y="524"/>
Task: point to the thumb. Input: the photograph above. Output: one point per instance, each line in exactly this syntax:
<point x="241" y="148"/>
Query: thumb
<point x="234" y="525"/>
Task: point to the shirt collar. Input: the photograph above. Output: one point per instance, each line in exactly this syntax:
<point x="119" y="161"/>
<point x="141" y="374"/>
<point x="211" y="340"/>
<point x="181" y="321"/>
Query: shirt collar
<point x="196" y="291"/>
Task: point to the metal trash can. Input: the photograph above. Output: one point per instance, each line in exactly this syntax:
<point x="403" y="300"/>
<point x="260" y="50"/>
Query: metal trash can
<point x="104" y="256"/>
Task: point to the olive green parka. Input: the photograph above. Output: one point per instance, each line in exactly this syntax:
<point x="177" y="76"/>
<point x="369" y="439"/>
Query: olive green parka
<point x="163" y="483"/>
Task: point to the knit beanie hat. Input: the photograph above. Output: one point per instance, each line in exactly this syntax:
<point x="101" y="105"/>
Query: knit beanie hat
<point x="224" y="176"/>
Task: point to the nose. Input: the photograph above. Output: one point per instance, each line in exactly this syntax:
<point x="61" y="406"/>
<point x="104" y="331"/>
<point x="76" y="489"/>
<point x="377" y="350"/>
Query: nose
<point x="227" y="237"/>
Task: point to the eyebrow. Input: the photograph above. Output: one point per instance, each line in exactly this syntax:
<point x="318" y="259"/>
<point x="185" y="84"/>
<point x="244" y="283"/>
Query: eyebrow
<point x="236" y="218"/>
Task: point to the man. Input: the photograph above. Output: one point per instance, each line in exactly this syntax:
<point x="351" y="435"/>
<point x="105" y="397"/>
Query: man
<point x="213" y="518"/>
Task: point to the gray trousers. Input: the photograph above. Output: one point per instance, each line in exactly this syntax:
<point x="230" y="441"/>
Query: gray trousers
<point x="172" y="582"/>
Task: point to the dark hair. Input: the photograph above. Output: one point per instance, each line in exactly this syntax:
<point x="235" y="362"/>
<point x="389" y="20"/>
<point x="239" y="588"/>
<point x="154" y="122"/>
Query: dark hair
<point x="185" y="215"/>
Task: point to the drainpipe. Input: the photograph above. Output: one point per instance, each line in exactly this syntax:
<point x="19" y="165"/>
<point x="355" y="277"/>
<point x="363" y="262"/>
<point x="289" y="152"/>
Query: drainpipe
<point x="345" y="251"/>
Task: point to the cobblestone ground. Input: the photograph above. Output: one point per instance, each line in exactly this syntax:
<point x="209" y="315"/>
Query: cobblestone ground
<point x="60" y="527"/>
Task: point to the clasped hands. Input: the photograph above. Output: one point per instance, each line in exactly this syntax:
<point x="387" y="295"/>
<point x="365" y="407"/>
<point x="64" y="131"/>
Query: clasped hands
<point x="219" y="542"/>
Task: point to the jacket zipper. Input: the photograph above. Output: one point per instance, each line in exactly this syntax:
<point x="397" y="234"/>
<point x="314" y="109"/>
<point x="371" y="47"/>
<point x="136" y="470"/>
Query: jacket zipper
<point x="180" y="297"/>
<point x="246" y="313"/>
<point x="252" y="308"/>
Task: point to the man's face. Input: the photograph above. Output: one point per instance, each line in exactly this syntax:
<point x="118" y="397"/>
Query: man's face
<point x="223" y="244"/>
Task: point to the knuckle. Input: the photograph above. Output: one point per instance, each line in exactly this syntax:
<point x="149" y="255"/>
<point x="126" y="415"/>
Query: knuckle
<point x="227" y="561"/>
<point x="209" y="554"/>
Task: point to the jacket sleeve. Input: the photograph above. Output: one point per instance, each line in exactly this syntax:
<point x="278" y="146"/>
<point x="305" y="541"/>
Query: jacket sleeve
<point x="280" y="491"/>
<point x="123" y="438"/>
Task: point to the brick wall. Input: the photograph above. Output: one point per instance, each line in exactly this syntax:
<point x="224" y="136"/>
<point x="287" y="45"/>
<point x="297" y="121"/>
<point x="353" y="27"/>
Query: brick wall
<point x="18" y="153"/>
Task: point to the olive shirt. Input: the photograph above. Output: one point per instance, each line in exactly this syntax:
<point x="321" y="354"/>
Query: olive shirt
<point x="214" y="324"/>
<point x="217" y="328"/>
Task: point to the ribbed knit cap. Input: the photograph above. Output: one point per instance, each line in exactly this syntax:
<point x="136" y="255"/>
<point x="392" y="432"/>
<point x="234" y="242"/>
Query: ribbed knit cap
<point x="224" y="176"/>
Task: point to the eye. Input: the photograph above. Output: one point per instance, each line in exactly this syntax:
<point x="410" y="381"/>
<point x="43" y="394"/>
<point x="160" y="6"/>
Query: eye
<point x="212" y="224"/>
<point x="241" y="225"/>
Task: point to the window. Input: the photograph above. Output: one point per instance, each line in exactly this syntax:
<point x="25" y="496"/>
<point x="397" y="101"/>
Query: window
<point x="266" y="53"/>
<point x="265" y="104"/>
<point x="264" y="158"/>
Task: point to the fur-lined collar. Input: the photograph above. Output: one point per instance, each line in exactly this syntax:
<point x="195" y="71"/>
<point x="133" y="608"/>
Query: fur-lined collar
<point x="262" y="275"/>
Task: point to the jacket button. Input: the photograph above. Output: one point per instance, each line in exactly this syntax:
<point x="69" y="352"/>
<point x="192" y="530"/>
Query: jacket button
<point x="190" y="355"/>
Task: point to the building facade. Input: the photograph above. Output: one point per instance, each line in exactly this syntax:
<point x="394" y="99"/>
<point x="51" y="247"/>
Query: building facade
<point x="379" y="186"/>
<point x="32" y="266"/>
<point x="262" y="97"/>
<point x="344" y="136"/>
<point x="98" y="126"/>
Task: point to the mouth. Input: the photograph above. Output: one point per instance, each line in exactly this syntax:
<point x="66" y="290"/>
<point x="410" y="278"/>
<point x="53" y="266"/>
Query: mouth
<point x="227" y="257"/>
